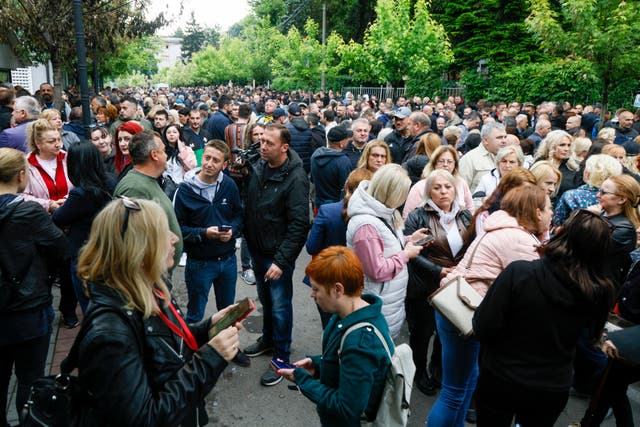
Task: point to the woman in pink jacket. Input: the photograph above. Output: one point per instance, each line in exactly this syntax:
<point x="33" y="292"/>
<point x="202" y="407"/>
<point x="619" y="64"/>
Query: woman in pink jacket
<point x="511" y="233"/>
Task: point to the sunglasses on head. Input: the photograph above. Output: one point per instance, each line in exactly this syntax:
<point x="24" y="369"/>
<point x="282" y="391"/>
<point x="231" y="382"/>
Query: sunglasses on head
<point x="129" y="205"/>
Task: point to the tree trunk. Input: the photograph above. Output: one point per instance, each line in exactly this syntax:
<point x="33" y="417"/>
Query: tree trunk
<point x="606" y="82"/>
<point x="57" y="83"/>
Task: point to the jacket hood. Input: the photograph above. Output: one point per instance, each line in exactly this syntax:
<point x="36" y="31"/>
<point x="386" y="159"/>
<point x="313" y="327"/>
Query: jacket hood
<point x="500" y="219"/>
<point x="299" y="123"/>
<point x="324" y="156"/>
<point x="362" y="203"/>
<point x="8" y="202"/>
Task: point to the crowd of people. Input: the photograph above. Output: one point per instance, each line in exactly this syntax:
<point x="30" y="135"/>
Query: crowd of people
<point x="535" y="206"/>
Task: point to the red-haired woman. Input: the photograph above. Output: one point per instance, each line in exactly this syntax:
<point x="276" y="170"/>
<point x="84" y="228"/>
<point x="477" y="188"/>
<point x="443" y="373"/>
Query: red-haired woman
<point x="122" y="160"/>
<point x="345" y="385"/>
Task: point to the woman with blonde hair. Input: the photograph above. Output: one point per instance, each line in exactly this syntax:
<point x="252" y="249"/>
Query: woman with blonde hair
<point x="55" y="119"/>
<point x="579" y="150"/>
<point x="597" y="169"/>
<point x="139" y="360"/>
<point x="444" y="157"/>
<point x="547" y="176"/>
<point x="30" y="242"/>
<point x="374" y="232"/>
<point x="507" y="159"/>
<point x="375" y="155"/>
<point x="556" y="148"/>
<point x="427" y="144"/>
<point x="608" y="134"/>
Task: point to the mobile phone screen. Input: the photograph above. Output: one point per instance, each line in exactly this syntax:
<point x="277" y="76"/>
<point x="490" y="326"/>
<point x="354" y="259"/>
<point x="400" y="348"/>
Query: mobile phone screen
<point x="424" y="241"/>
<point x="279" y="364"/>
<point x="224" y="228"/>
<point x="240" y="312"/>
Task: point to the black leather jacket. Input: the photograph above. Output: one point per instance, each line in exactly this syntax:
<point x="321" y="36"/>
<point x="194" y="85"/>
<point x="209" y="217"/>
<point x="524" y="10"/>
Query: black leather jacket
<point x="161" y="384"/>
<point x="29" y="242"/>
<point x="424" y="270"/>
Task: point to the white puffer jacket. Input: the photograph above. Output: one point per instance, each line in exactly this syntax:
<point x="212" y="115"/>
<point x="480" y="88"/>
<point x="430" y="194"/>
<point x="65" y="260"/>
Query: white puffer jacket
<point x="364" y="209"/>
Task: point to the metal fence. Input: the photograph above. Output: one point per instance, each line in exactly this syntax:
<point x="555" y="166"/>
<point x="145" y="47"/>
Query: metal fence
<point x="380" y="92"/>
<point x="384" y="92"/>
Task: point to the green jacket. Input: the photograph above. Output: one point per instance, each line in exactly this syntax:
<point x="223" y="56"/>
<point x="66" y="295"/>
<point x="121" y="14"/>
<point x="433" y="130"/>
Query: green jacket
<point x="141" y="186"/>
<point x="344" y="389"/>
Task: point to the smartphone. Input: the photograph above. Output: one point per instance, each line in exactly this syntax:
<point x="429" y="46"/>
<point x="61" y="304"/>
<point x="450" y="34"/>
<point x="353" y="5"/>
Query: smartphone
<point x="224" y="228"/>
<point x="279" y="364"/>
<point x="237" y="314"/>
<point x="425" y="240"/>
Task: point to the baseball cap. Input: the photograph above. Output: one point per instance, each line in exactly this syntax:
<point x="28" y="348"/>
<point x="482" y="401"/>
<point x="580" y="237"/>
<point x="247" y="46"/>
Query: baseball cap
<point x="402" y="112"/>
<point x="294" y="109"/>
<point x="338" y="133"/>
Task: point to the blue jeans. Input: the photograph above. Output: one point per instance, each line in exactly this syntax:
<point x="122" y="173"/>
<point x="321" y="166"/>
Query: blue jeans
<point x="78" y="286"/>
<point x="459" y="376"/>
<point x="276" y="298"/>
<point x="199" y="275"/>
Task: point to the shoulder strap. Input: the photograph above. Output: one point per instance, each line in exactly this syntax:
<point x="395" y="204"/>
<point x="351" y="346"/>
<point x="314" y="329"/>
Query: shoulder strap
<point x="71" y="361"/>
<point x="362" y="325"/>
<point x="473" y="254"/>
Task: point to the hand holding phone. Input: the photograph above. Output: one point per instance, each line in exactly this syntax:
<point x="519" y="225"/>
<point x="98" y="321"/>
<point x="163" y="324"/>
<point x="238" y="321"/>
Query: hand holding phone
<point x="280" y="364"/>
<point x="425" y="240"/>
<point x="224" y="228"/>
<point x="233" y="316"/>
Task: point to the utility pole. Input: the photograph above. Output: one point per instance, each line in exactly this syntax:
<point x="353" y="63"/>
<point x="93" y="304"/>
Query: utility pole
<point x="323" y="82"/>
<point x="82" y="64"/>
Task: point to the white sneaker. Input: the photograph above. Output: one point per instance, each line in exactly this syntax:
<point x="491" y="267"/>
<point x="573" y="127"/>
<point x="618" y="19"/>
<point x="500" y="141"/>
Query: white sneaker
<point x="183" y="259"/>
<point x="249" y="277"/>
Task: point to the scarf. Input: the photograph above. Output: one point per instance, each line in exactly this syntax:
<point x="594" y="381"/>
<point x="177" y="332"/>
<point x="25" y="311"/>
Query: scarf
<point x="58" y="189"/>
<point x="446" y="218"/>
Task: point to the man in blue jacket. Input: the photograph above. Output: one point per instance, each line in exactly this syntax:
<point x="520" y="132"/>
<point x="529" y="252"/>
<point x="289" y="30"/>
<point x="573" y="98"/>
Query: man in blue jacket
<point x="330" y="167"/>
<point x="209" y="212"/>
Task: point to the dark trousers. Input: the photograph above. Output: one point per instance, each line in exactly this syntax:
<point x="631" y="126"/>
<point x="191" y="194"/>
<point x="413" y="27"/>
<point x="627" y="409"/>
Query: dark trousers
<point x="499" y="401"/>
<point x="68" y="299"/>
<point x="29" y="358"/>
<point x="422" y="324"/>
<point x="612" y="393"/>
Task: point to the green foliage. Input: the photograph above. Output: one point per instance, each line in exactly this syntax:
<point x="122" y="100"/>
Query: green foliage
<point x="300" y="59"/>
<point x="348" y="18"/>
<point x="197" y="37"/>
<point x="132" y="79"/>
<point x="403" y="43"/>
<point x="604" y="32"/>
<point x="492" y="29"/>
<point x="137" y="55"/>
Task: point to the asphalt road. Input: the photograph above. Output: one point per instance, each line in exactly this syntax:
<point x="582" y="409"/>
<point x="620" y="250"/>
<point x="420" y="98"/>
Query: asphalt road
<point x="239" y="400"/>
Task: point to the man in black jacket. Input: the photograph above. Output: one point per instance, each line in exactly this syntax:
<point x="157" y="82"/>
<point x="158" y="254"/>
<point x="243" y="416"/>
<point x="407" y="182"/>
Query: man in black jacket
<point x="276" y="225"/>
<point x="301" y="135"/>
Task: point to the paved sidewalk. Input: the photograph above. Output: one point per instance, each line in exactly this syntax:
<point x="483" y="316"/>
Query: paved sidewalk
<point x="238" y="400"/>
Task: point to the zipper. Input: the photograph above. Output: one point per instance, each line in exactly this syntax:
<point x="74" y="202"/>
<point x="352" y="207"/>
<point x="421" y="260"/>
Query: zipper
<point x="172" y="349"/>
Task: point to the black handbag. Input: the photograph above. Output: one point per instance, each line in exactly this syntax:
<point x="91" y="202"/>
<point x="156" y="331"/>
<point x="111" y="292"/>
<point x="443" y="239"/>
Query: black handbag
<point x="61" y="400"/>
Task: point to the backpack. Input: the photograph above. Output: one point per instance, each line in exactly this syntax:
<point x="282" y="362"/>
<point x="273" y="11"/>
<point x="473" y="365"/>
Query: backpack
<point x="394" y="408"/>
<point x="60" y="400"/>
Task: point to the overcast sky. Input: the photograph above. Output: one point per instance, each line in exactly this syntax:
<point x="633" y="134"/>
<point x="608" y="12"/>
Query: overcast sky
<point x="208" y="13"/>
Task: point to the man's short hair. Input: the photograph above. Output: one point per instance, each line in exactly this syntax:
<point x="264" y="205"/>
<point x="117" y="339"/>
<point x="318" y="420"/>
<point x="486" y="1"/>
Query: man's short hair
<point x="244" y="111"/>
<point x="329" y="115"/>
<point x="283" y="132"/>
<point x="521" y="117"/>
<point x="29" y="104"/>
<point x="162" y="112"/>
<point x="141" y="145"/>
<point x="6" y="96"/>
<point x="184" y="111"/>
<point x="487" y="128"/>
<point x="223" y="101"/>
<point x="422" y="118"/>
<point x="360" y="122"/>
<point x="100" y="99"/>
<point x="75" y="114"/>
<point x="220" y="146"/>
<point x="313" y="119"/>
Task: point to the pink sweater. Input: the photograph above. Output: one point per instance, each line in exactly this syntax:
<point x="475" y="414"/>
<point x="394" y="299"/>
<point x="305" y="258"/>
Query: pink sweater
<point x="368" y="245"/>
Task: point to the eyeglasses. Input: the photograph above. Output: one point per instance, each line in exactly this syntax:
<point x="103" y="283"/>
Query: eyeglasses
<point x="129" y="205"/>
<point x="604" y="192"/>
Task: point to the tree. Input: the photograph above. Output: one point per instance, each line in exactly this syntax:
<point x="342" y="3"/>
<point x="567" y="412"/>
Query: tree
<point x="604" y="32"/>
<point x="348" y="18"/>
<point x="39" y="31"/>
<point x="137" y="55"/>
<point x="197" y="37"/>
<point x="403" y="43"/>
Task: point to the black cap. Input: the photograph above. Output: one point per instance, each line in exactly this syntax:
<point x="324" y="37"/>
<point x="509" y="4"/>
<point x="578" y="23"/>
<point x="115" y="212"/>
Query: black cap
<point x="338" y="133"/>
<point x="294" y="109"/>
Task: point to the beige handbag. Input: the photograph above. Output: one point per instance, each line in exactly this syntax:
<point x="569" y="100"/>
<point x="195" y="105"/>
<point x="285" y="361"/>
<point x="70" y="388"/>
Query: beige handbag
<point x="456" y="300"/>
